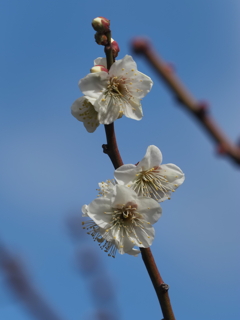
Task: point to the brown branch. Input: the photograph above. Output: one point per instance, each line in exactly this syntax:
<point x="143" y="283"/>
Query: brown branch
<point x="160" y="287"/>
<point x="112" y="150"/>
<point x="198" y="110"/>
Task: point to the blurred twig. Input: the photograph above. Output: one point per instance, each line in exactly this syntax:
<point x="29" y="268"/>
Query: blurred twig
<point x="21" y="286"/>
<point x="198" y="110"/>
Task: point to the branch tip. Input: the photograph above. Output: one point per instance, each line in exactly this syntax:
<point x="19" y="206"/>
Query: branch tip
<point x="140" y="45"/>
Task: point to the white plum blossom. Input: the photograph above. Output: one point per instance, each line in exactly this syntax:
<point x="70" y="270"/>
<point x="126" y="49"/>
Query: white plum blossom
<point x="83" y="110"/>
<point x="108" y="244"/>
<point x="149" y="177"/>
<point x="122" y="220"/>
<point x="118" y="92"/>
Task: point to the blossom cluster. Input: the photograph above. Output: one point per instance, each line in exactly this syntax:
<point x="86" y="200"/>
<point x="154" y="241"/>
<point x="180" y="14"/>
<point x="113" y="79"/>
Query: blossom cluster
<point x="127" y="207"/>
<point x="110" y="94"/>
<point x="123" y="215"/>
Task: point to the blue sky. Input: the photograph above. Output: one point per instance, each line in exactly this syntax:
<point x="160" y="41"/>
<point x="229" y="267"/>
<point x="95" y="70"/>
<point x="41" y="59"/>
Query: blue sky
<point x="50" y="165"/>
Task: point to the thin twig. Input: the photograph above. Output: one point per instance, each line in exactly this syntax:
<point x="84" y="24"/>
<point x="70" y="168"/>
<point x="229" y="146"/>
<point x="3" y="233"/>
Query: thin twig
<point x="111" y="147"/>
<point x="160" y="287"/>
<point x="112" y="150"/>
<point x="198" y="110"/>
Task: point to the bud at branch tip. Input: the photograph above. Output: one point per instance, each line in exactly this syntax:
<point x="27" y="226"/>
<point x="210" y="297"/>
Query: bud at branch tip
<point x="101" y="24"/>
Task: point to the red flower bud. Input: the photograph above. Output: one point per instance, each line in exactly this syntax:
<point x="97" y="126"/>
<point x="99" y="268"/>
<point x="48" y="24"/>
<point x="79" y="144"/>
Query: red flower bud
<point x="98" y="68"/>
<point x="115" y="48"/>
<point x="101" y="39"/>
<point x="101" y="24"/>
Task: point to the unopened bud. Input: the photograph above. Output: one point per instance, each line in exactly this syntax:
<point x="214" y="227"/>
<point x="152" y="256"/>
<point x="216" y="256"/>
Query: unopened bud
<point x="101" y="39"/>
<point x="98" y="68"/>
<point x="101" y="24"/>
<point x="115" y="48"/>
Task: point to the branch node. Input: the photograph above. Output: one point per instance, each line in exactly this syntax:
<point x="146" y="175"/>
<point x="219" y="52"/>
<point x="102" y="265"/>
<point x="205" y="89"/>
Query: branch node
<point x="222" y="149"/>
<point x="202" y="110"/>
<point x="105" y="148"/>
<point x="164" y="287"/>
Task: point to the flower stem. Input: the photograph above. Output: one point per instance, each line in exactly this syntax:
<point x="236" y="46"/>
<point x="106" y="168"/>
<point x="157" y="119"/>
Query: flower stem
<point x="111" y="149"/>
<point x="108" y="50"/>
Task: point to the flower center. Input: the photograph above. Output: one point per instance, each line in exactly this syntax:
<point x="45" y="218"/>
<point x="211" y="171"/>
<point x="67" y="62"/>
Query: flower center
<point x="125" y="214"/>
<point x="126" y="220"/>
<point x="117" y="89"/>
<point x="152" y="183"/>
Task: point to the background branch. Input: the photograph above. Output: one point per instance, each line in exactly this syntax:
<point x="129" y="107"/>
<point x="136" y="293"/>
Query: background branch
<point x="22" y="287"/>
<point x="198" y="110"/>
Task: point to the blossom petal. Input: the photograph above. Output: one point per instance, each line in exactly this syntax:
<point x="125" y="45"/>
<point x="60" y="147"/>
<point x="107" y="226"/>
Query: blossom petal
<point x="173" y="173"/>
<point x="123" y="242"/>
<point x="153" y="157"/>
<point x="101" y="62"/>
<point x="138" y="83"/>
<point x="149" y="208"/>
<point x="85" y="210"/>
<point x="162" y="196"/>
<point x="93" y="84"/>
<point x="133" y="252"/>
<point x="174" y="178"/>
<point x="123" y="67"/>
<point x="133" y="110"/>
<point x="106" y="188"/>
<point x="125" y="174"/>
<point x="108" y="109"/>
<point x="141" y="84"/>
<point x="97" y="209"/>
<point x="83" y="110"/>
<point x="144" y="237"/>
<point x="122" y="195"/>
